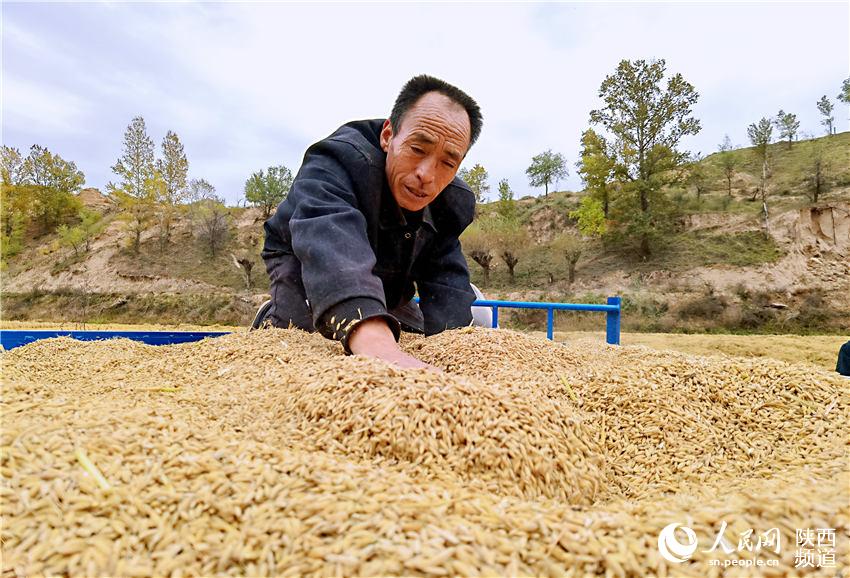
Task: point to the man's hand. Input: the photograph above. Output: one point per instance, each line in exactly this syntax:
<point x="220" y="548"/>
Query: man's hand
<point x="373" y="338"/>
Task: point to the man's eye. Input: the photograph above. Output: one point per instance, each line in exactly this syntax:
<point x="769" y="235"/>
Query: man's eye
<point x="449" y="164"/>
<point x="417" y="150"/>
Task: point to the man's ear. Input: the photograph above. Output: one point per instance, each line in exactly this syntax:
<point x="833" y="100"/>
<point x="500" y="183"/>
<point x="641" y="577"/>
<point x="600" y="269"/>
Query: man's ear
<point x="386" y="135"/>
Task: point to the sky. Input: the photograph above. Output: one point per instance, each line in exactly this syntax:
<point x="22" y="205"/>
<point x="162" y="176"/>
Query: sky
<point x="248" y="85"/>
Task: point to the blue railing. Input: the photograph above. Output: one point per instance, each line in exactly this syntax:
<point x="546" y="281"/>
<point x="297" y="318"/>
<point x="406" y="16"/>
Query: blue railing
<point x="10" y="339"/>
<point x="612" y="311"/>
<point x="16" y="338"/>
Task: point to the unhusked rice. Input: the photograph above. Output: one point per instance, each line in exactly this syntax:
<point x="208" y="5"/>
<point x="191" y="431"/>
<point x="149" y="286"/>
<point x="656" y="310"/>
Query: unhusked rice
<point x="272" y="453"/>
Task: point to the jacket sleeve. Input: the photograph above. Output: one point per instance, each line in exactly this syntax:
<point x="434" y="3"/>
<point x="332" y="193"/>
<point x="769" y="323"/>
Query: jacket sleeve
<point x="445" y="295"/>
<point x="330" y="240"/>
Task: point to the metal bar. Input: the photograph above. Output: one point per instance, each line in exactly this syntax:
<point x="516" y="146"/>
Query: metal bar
<point x="550" y="324"/>
<point x="612" y="322"/>
<point x="544" y="305"/>
<point x="540" y="305"/>
<point x="495" y="316"/>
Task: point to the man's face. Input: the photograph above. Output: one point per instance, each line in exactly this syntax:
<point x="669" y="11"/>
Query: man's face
<point x="425" y="154"/>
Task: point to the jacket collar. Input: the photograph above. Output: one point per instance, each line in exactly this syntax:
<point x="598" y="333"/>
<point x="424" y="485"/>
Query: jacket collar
<point x="392" y="216"/>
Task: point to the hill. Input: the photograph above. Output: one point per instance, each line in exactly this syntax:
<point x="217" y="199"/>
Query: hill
<point x="716" y="272"/>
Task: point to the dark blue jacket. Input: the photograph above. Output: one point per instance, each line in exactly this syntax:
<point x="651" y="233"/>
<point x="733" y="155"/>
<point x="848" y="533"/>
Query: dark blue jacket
<point x="360" y="254"/>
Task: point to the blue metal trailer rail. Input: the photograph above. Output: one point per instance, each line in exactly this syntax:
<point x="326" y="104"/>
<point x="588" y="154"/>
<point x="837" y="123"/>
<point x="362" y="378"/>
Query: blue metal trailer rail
<point x="612" y="311"/>
<point x="16" y="338"/>
<point x="9" y="339"/>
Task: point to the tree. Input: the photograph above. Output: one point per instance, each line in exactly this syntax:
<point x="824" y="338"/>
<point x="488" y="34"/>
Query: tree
<point x="512" y="241"/>
<point x="137" y="214"/>
<point x="825" y="107"/>
<point x="173" y="167"/>
<point x="476" y="178"/>
<point x="214" y="221"/>
<point x="71" y="237"/>
<point x="818" y="180"/>
<point x="11" y="166"/>
<point x="545" y="168"/>
<point x="590" y="217"/>
<point x="844" y="95"/>
<point x="595" y="167"/>
<point x="268" y="189"/>
<point x="507" y="204"/>
<point x="15" y="202"/>
<point x="137" y="166"/>
<point x="698" y="176"/>
<point x="477" y="240"/>
<point x="12" y="221"/>
<point x="787" y="125"/>
<point x="646" y="122"/>
<point x="53" y="182"/>
<point x="728" y="162"/>
<point x="45" y="169"/>
<point x="140" y="184"/>
<point x="569" y="246"/>
<point x="760" y="134"/>
<point x="79" y="236"/>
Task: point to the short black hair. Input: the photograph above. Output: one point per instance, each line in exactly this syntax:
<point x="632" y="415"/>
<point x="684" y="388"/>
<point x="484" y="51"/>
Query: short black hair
<point x="418" y="86"/>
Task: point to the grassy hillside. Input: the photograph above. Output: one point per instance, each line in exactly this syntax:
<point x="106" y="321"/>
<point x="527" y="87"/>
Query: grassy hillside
<point x="185" y="282"/>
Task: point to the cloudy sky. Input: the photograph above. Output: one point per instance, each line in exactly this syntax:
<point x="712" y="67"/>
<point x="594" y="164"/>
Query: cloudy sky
<point x="247" y="85"/>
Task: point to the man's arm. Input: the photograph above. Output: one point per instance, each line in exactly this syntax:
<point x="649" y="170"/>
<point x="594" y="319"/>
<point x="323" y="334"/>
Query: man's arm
<point x="329" y="238"/>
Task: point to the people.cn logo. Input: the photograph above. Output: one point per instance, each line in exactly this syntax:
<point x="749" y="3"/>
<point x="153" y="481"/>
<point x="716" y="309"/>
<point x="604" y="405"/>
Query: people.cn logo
<point x="671" y="549"/>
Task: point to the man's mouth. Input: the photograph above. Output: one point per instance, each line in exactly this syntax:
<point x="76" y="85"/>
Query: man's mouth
<point x="415" y="193"/>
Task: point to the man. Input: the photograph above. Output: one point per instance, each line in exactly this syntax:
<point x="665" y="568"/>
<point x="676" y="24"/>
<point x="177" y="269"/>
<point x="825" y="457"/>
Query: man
<point x="375" y="208"/>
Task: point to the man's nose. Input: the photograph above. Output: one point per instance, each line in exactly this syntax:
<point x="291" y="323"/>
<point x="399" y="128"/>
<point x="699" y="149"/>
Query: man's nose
<point x="425" y="171"/>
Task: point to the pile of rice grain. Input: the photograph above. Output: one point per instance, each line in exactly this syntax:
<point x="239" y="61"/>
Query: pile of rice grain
<point x="272" y="453"/>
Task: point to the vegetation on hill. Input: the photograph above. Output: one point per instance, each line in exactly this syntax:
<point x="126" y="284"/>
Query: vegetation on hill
<point x="635" y="216"/>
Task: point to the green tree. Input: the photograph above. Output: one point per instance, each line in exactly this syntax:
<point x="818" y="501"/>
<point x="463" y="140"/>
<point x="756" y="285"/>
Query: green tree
<point x="698" y="176"/>
<point x="507" y="204"/>
<point x="476" y="178"/>
<point x="53" y="182"/>
<point x="512" y="243"/>
<point x="137" y="165"/>
<point x="140" y="184"/>
<point x="787" y="125"/>
<point x="71" y="237"/>
<point x="728" y="162"/>
<point x="45" y="169"/>
<point x="11" y="166"/>
<point x="844" y="95"/>
<point x="174" y="170"/>
<point x="760" y="134"/>
<point x="819" y="166"/>
<point x="137" y="214"/>
<point x="596" y="167"/>
<point x="15" y="202"/>
<point x="825" y="107"/>
<point x="91" y="224"/>
<point x="569" y="246"/>
<point x="267" y="189"/>
<point x="646" y="122"/>
<point x="545" y="168"/>
<point x="214" y="222"/>
<point x="590" y="217"/>
<point x="478" y="242"/>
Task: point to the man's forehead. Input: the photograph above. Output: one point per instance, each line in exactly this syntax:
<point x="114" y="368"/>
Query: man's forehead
<point x="453" y="145"/>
